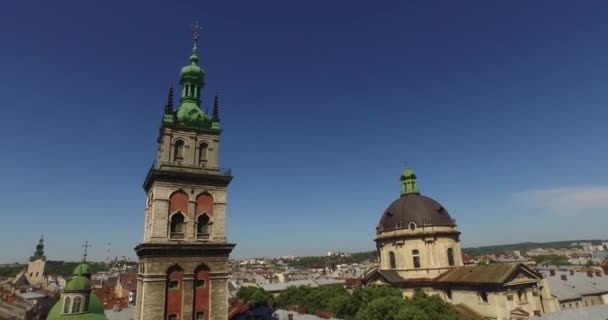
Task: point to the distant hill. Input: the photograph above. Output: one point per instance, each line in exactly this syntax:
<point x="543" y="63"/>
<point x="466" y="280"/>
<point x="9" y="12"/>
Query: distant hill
<point x="62" y="268"/>
<point x="523" y="247"/>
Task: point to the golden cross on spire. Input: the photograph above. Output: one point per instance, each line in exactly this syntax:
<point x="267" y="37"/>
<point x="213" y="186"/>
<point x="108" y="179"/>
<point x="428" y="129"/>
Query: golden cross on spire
<point x="196" y="28"/>
<point x="86" y="245"/>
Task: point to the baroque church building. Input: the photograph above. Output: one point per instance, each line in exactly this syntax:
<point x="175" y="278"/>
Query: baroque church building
<point x="418" y="246"/>
<point x="183" y="259"/>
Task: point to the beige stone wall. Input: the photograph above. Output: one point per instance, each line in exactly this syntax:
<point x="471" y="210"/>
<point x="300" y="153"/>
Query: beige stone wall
<point x="35" y="272"/>
<point x="192" y="141"/>
<point x="157" y="221"/>
<point x="152" y="281"/>
<point x="498" y="305"/>
<point x="431" y="244"/>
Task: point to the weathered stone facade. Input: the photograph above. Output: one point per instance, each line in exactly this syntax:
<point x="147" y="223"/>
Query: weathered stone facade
<point x="183" y="259"/>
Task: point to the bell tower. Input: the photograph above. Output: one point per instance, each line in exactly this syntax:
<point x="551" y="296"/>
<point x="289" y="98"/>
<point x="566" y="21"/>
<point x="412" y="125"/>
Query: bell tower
<point x="183" y="259"/>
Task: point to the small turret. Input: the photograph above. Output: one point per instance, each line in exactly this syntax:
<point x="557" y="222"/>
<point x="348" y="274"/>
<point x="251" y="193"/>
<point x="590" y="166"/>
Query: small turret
<point x="408" y="182"/>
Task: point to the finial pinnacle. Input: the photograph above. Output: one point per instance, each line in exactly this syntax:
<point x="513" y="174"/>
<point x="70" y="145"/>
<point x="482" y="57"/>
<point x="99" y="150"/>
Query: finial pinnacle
<point x="169" y="105"/>
<point x="196" y="28"/>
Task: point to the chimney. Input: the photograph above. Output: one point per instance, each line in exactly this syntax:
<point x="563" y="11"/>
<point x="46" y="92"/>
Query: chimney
<point x="564" y="277"/>
<point x="552" y="272"/>
<point x="571" y="272"/>
<point x="590" y="274"/>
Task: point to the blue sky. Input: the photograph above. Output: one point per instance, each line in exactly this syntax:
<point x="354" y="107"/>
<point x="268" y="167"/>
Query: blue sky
<point x="499" y="107"/>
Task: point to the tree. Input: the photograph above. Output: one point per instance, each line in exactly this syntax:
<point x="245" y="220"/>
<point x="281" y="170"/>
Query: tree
<point x="254" y="296"/>
<point x="383" y="308"/>
<point x="419" y="307"/>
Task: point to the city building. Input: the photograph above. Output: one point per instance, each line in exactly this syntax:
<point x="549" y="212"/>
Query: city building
<point x="183" y="259"/>
<point x="418" y="245"/>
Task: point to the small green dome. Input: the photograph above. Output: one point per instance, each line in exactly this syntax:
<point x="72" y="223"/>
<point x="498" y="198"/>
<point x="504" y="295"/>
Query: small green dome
<point x="193" y="72"/>
<point x="82" y="269"/>
<point x="408" y="173"/>
<point x="78" y="283"/>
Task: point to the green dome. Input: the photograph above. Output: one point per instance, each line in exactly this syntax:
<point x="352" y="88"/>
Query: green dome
<point x="78" y="283"/>
<point x="408" y="173"/>
<point x="192" y="71"/>
<point x="190" y="113"/>
<point x="95" y="311"/>
<point x="82" y="269"/>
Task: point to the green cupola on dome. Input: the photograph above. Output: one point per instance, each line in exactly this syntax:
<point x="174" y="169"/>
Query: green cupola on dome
<point x="408" y="182"/>
<point x="192" y="80"/>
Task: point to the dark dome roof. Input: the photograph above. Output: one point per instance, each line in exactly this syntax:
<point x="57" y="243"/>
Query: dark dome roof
<point x="413" y="207"/>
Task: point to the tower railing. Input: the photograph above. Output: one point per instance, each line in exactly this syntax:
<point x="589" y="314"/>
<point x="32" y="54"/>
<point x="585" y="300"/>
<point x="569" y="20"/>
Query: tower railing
<point x="176" y="235"/>
<point x="221" y="171"/>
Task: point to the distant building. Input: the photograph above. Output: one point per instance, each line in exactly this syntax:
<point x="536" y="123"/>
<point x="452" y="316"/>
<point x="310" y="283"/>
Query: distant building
<point x="35" y="267"/>
<point x="577" y="288"/>
<point x="419" y="249"/>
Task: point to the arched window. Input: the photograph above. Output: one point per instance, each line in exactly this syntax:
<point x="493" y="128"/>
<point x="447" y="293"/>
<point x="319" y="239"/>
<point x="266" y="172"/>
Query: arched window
<point x="202" y="153"/>
<point x="177" y="226"/>
<point x="66" y="305"/>
<point x="76" y="305"/>
<point x="179" y="150"/>
<point x="203" y="228"/>
<point x="416" y="258"/>
<point x="391" y="256"/>
<point x="451" y="257"/>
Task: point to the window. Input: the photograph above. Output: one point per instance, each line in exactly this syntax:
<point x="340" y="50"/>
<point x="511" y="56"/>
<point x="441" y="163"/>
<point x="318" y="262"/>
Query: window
<point x="451" y="257"/>
<point x="37" y="274"/>
<point x="177" y="226"/>
<point x="76" y="305"/>
<point x="203" y="228"/>
<point x="172" y="317"/>
<point x="173" y="284"/>
<point x="202" y="152"/>
<point x="483" y="296"/>
<point x="66" y="305"/>
<point x="448" y="293"/>
<point x="412" y="226"/>
<point x="521" y="294"/>
<point x="200" y="316"/>
<point x="537" y="313"/>
<point x="200" y="283"/>
<point x="510" y="297"/>
<point x="179" y="150"/>
<point x="391" y="256"/>
<point x="416" y="258"/>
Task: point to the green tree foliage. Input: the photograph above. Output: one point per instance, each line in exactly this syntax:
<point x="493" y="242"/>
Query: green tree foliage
<point x="552" y="259"/>
<point x="255" y="296"/>
<point x="61" y="268"/>
<point x="11" y="270"/>
<point x="420" y="307"/>
<point x="371" y="303"/>
<point x="307" y="262"/>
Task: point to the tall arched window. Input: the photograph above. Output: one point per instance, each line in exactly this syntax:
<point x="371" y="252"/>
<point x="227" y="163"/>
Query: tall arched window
<point x="203" y="228"/>
<point x="76" y="305"/>
<point x="202" y="153"/>
<point x="177" y="226"/>
<point x="179" y="150"/>
<point x="391" y="256"/>
<point x="416" y="258"/>
<point x="66" y="305"/>
<point x="451" y="257"/>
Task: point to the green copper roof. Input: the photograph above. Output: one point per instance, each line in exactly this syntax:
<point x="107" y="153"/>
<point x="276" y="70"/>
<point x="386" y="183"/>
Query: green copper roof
<point x="408" y="182"/>
<point x="78" y="283"/>
<point x="189" y="114"/>
<point x="82" y="269"/>
<point x="95" y="311"/>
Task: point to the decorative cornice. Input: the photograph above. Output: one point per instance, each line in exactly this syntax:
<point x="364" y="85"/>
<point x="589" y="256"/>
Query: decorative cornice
<point x="166" y="250"/>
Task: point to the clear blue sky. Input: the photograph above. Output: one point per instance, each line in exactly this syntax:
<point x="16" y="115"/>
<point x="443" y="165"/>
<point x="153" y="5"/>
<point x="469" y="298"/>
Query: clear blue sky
<point x="499" y="107"/>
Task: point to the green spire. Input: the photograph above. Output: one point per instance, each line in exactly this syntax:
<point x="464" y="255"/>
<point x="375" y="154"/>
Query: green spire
<point x="408" y="182"/>
<point x="191" y="79"/>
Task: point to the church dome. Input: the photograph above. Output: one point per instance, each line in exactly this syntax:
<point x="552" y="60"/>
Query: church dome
<point x="78" y="283"/>
<point x="416" y="208"/>
<point x="82" y="269"/>
<point x="412" y="209"/>
<point x="192" y="71"/>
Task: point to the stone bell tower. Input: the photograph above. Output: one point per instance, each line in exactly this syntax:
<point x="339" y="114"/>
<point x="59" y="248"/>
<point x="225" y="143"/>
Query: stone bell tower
<point x="183" y="259"/>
